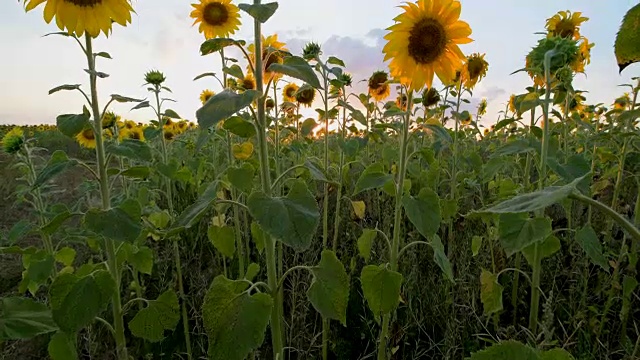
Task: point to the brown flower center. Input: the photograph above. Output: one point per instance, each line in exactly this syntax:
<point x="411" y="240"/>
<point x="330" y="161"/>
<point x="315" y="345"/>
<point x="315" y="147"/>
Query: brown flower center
<point x="84" y="3"/>
<point x="271" y="57"/>
<point x="290" y="91"/>
<point x="215" y="14"/>
<point x="427" y="41"/>
<point x="305" y="96"/>
<point x="476" y="67"/>
<point x="88" y="134"/>
<point x="565" y="29"/>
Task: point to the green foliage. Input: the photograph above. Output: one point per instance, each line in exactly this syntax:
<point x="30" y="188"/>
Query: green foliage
<point x="424" y="212"/>
<point x="223" y="238"/>
<point x="23" y="318"/>
<point x="490" y="293"/>
<point x="329" y="289"/>
<point x="161" y="314"/>
<point x="627" y="45"/>
<point x="381" y="288"/>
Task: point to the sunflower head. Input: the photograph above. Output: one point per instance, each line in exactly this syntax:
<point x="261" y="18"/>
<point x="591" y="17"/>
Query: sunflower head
<point x="584" y="55"/>
<point x="109" y="119"/>
<point x="86" y="138"/>
<point x="79" y="16"/>
<point x="311" y="51"/>
<point x="486" y="132"/>
<point x="430" y="97"/>
<point x="565" y="24"/>
<point x="474" y="69"/>
<point x="247" y="83"/>
<point x="270" y="104"/>
<point x="135" y="133"/>
<point x="205" y="95"/>
<point x="465" y="118"/>
<point x="379" y="87"/>
<point x="232" y="83"/>
<point x="169" y="133"/>
<point x="623" y="102"/>
<point x="566" y="54"/>
<point x="273" y="52"/>
<point x="401" y="102"/>
<point x="217" y="18"/>
<point x="154" y="77"/>
<point x="482" y="107"/>
<point x="346" y="79"/>
<point x="305" y="95"/>
<point x="289" y="92"/>
<point x="512" y="103"/>
<point x="424" y="42"/>
<point x="13" y="140"/>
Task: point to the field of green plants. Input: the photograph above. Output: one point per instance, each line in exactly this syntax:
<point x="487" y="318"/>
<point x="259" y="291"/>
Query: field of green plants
<point x="392" y="226"/>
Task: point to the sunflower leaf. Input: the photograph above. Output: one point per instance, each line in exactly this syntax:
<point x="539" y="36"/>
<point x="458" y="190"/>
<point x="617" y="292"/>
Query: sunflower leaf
<point x="223" y="105"/>
<point x="103" y="54"/>
<point x="261" y="12"/>
<point x="627" y="46"/>
<point x="234" y="70"/>
<point x="124" y="99"/>
<point x="298" y="68"/>
<point x="141" y="105"/>
<point x="99" y="74"/>
<point x="217" y="44"/>
<point x="204" y="75"/>
<point x="172" y="114"/>
<point x="72" y="124"/>
<point x="66" y="87"/>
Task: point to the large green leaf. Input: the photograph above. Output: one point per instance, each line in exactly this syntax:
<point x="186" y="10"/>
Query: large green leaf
<point x="329" y="290"/>
<point x="535" y="200"/>
<point x="58" y="163"/>
<point x="161" y="314"/>
<point x="381" y="288"/>
<point x="39" y="266"/>
<point x="627" y="46"/>
<point x="441" y="258"/>
<point x="546" y="248"/>
<point x="242" y="177"/>
<point x="234" y="320"/>
<point x="588" y="240"/>
<point x="217" y="44"/>
<point x="260" y="12"/>
<point x="517" y="231"/>
<point x="237" y="125"/>
<point x="223" y="239"/>
<point x="223" y="105"/>
<point x="72" y="124"/>
<point x="76" y="301"/>
<point x="114" y="224"/>
<point x="423" y="211"/>
<point x="490" y="292"/>
<point x="292" y="219"/>
<point x="372" y="177"/>
<point x="191" y="214"/>
<point x="62" y="346"/>
<point x="365" y="242"/>
<point x="141" y="258"/>
<point x="298" y="68"/>
<point x="506" y="350"/>
<point x="24" y="318"/>
<point x="131" y="149"/>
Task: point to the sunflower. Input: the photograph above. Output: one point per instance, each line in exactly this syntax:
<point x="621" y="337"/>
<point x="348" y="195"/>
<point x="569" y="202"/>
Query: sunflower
<point x="465" y="119"/>
<point x="474" y="69"/>
<point x="109" y="119"/>
<point x="576" y="104"/>
<point x="86" y="138"/>
<point x="127" y="124"/>
<point x="181" y="126"/>
<point x="289" y="92"/>
<point x="135" y="133"/>
<point x="565" y="24"/>
<point x="271" y="54"/>
<point x="486" y="132"/>
<point x="584" y="55"/>
<point x="482" y="107"/>
<point x="248" y="82"/>
<point x="306" y="95"/>
<point x="269" y="104"/>
<point x="430" y="97"/>
<point x="217" y="18"/>
<point x="206" y="95"/>
<point x="80" y="16"/>
<point x="168" y="132"/>
<point x="623" y="102"/>
<point x="512" y="103"/>
<point x="401" y="102"/>
<point x="425" y="41"/>
<point x="13" y="140"/>
<point x="379" y="88"/>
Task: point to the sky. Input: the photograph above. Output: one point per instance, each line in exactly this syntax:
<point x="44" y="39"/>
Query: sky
<point x="161" y="36"/>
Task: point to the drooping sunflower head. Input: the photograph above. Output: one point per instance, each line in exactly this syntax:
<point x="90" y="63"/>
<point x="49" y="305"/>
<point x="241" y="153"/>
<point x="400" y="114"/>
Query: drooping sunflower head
<point x="424" y="41"/>
<point x="86" y="138"/>
<point x="289" y="92"/>
<point x="346" y="79"/>
<point x="623" y="102"/>
<point x="169" y="133"/>
<point x="128" y="124"/>
<point x="401" y="102"/>
<point x="565" y="24"/>
<point x="79" y="16"/>
<point x="465" y="118"/>
<point x="181" y="126"/>
<point x="205" y="95"/>
<point x="512" y="103"/>
<point x="166" y="121"/>
<point x="584" y="55"/>
<point x="247" y="83"/>
<point x="379" y="87"/>
<point x="109" y="119"/>
<point x="269" y="104"/>
<point x="217" y="18"/>
<point x="135" y="133"/>
<point x="311" y="51"/>
<point x="486" y="132"/>
<point x="305" y="95"/>
<point x="12" y="141"/>
<point x="154" y="77"/>
<point x="566" y="54"/>
<point x="474" y="69"/>
<point x="482" y="107"/>
<point x="430" y="97"/>
<point x="273" y="52"/>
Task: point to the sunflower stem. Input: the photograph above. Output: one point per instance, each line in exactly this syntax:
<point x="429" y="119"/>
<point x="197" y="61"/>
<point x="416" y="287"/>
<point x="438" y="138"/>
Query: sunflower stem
<point x="114" y="269"/>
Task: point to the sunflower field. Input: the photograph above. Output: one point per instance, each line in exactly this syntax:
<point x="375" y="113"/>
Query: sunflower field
<point x="399" y="229"/>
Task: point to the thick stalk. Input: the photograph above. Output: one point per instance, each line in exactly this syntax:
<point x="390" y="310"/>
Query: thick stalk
<point x="110" y="247"/>
<point x="454" y="167"/>
<point x="537" y="268"/>
<point x="265" y="178"/>
<point x="395" y="245"/>
<point x="336" y="223"/>
<point x="176" y="248"/>
<point x="326" y="325"/>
